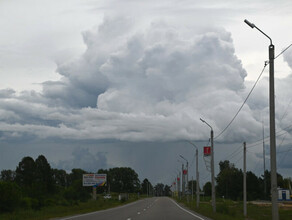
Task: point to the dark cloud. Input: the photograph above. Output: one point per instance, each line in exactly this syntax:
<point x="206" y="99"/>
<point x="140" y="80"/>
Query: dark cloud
<point x="82" y="158"/>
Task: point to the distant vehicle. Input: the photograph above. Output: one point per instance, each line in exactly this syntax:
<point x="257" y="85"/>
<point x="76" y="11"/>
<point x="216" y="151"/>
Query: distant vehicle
<point x="107" y="196"/>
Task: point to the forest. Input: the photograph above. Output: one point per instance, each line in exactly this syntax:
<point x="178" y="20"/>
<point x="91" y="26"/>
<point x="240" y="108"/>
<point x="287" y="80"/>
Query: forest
<point x="34" y="184"/>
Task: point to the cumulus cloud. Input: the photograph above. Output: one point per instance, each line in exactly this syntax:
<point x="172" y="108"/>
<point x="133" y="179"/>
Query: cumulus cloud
<point x="142" y="84"/>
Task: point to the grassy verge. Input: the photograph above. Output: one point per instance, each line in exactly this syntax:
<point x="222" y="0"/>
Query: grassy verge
<point x="61" y="211"/>
<point x="232" y="210"/>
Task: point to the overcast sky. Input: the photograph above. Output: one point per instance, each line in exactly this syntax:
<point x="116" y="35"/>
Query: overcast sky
<point x="98" y="84"/>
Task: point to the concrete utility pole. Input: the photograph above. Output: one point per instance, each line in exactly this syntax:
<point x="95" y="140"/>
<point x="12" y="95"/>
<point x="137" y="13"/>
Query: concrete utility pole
<point x="244" y="179"/>
<point x="197" y="182"/>
<point x="183" y="180"/>
<point x="274" y="190"/>
<point x="187" y="187"/>
<point x="212" y="167"/>
<point x="197" y="175"/>
<point x="179" y="191"/>
<point x="192" y="189"/>
<point x="264" y="158"/>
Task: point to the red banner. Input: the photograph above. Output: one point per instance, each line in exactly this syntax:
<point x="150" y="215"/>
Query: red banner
<point x="207" y="151"/>
<point x="185" y="172"/>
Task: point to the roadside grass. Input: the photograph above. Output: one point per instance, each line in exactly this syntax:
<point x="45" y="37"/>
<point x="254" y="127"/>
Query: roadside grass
<point x="233" y="210"/>
<point x="74" y="208"/>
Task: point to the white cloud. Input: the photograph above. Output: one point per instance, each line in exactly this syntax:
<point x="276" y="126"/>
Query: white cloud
<point x="153" y="84"/>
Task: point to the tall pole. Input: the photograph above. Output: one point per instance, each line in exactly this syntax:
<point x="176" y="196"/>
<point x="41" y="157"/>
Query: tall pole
<point x="187" y="188"/>
<point x="244" y="179"/>
<point x="275" y="211"/>
<point x="192" y="189"/>
<point x="212" y="171"/>
<point x="183" y="180"/>
<point x="212" y="167"/>
<point x="187" y="174"/>
<point x="197" y="177"/>
<point x="179" y="189"/>
<point x="264" y="158"/>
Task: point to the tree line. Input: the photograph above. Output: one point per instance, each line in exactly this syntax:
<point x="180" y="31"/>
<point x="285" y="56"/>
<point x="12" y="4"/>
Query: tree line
<point x="35" y="184"/>
<point x="229" y="183"/>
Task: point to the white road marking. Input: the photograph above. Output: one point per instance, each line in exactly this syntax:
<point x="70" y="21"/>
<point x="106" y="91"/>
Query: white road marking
<point x="138" y="213"/>
<point x="187" y="211"/>
<point x="128" y="218"/>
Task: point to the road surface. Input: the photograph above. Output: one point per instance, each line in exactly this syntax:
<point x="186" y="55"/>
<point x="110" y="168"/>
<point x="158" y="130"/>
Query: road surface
<point x="157" y="208"/>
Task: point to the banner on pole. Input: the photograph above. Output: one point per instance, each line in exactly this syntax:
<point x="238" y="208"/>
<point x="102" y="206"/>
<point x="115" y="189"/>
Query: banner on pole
<point x="207" y="151"/>
<point x="93" y="179"/>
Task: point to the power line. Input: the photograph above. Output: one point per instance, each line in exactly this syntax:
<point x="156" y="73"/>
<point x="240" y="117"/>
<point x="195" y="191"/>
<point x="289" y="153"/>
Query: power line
<point x="242" y="103"/>
<point x="266" y="63"/>
<point x="253" y="144"/>
<point x="283" y="51"/>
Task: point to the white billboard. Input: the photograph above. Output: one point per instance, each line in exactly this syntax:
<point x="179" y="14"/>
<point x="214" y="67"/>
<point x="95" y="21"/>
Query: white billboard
<point x="94" y="179"/>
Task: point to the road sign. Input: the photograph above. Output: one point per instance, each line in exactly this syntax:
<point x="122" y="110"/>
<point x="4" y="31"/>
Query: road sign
<point x="93" y="179"/>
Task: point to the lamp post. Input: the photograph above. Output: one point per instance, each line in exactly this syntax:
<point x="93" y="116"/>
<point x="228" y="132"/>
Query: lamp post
<point x="182" y="178"/>
<point x="212" y="166"/>
<point x="197" y="175"/>
<point x="275" y="212"/>
<point x="187" y="188"/>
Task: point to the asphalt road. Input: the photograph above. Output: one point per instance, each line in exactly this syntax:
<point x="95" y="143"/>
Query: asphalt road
<point x="157" y="208"/>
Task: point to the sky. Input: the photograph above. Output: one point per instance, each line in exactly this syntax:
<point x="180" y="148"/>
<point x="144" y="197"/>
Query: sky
<point x="100" y="84"/>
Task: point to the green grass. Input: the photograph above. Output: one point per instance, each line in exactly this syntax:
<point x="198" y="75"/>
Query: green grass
<point x="61" y="211"/>
<point x="232" y="210"/>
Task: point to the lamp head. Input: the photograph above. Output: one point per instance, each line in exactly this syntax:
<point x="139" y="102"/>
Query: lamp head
<point x="249" y="23"/>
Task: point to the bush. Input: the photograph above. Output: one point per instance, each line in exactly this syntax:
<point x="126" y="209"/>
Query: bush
<point x="10" y="196"/>
<point x="29" y="203"/>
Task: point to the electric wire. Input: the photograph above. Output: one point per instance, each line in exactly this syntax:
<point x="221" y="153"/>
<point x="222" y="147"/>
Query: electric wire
<point x="242" y="103"/>
<point x="253" y="144"/>
<point x="283" y="51"/>
<point x="266" y="63"/>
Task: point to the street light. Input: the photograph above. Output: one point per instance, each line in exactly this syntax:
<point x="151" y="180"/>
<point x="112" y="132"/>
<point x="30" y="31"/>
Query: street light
<point x="187" y="171"/>
<point x="275" y="212"/>
<point x="197" y="175"/>
<point x="212" y="167"/>
<point x="182" y="179"/>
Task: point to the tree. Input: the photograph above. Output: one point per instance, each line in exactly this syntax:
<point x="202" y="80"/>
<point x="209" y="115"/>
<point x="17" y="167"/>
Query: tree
<point x="44" y="175"/>
<point x="253" y="186"/>
<point x="146" y="186"/>
<point x="8" y="175"/>
<point x="76" y="174"/>
<point x="207" y="188"/>
<point x="267" y="178"/>
<point x="229" y="181"/>
<point x="10" y="196"/>
<point x="166" y="190"/>
<point x="193" y="185"/>
<point x="159" y="189"/>
<point x="122" y="179"/>
<point x="26" y="175"/>
<point x="60" y="177"/>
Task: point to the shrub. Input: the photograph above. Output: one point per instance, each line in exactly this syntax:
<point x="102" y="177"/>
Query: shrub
<point x="10" y="196"/>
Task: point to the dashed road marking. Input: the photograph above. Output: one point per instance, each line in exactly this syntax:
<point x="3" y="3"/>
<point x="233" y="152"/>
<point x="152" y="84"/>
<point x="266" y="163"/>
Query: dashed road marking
<point x="138" y="213"/>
